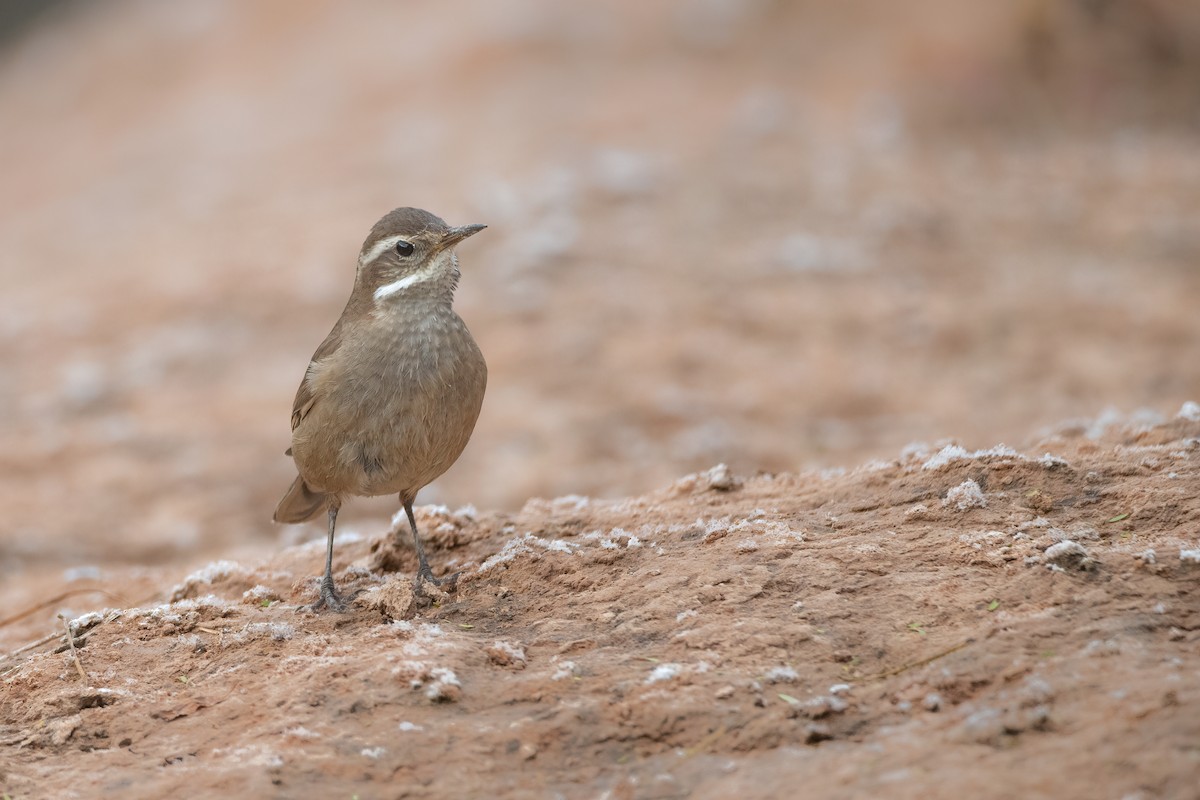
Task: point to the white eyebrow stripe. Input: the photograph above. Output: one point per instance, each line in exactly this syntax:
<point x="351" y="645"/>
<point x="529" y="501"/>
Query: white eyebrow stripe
<point x="381" y="247"/>
<point x="407" y="281"/>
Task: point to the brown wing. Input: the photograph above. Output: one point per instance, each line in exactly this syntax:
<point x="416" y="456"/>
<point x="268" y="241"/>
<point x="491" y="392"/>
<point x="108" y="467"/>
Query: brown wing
<point x="304" y="396"/>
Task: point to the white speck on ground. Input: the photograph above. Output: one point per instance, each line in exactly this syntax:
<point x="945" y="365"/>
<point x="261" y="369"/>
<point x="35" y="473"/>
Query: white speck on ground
<point x="191" y="641"/>
<point x="1052" y="462"/>
<point x="720" y="478"/>
<point x="259" y="594"/>
<point x="570" y="502"/>
<point x="506" y="654"/>
<point x="444" y="686"/>
<point x="783" y="674"/>
<point x="300" y="732"/>
<point x="1103" y="647"/>
<point x="954" y="452"/>
<point x="566" y="669"/>
<point x="253" y="755"/>
<point x="1190" y="411"/>
<point x="86" y="621"/>
<point x="521" y="546"/>
<point x="824" y="706"/>
<point x="279" y="631"/>
<point x="950" y="452"/>
<point x="965" y="496"/>
<point x="215" y="571"/>
<point x="1068" y="554"/>
<point x="664" y="672"/>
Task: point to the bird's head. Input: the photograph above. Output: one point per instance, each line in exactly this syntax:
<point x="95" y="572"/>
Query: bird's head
<point x="408" y="253"/>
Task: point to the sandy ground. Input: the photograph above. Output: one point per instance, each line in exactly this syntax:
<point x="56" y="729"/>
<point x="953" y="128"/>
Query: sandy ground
<point x="794" y="238"/>
<point x="948" y="624"/>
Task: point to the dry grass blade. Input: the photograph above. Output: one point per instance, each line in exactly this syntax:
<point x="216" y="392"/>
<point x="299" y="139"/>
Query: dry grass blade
<point x="74" y="653"/>
<point x="58" y="598"/>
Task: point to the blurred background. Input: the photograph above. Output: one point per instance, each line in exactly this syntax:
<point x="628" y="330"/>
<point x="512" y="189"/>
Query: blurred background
<point x="775" y="233"/>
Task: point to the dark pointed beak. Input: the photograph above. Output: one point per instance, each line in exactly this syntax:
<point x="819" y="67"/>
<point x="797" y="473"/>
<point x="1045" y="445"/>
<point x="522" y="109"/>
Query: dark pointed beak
<point x="456" y="235"/>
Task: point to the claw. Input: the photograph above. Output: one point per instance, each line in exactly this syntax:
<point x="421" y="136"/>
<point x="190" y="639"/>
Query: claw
<point x="330" y="600"/>
<point x="446" y="584"/>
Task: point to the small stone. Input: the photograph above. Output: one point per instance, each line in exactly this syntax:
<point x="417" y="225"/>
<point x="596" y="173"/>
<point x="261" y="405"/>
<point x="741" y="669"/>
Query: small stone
<point x="260" y="596"/>
<point x="504" y="654"/>
<point x="61" y="730"/>
<point x="932" y="702"/>
<point x="984" y="726"/>
<point x="725" y="692"/>
<point x="782" y="675"/>
<point x="444" y="688"/>
<point x="815" y="732"/>
<point x="1069" y="554"/>
<point x="721" y="479"/>
<point x="1038" y="718"/>
<point x="825" y="706"/>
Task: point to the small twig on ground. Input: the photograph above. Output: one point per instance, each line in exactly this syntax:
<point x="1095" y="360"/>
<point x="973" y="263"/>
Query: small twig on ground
<point x="74" y="653"/>
<point x="30" y="646"/>
<point x="703" y="745"/>
<point x="905" y="667"/>
<point x="57" y="599"/>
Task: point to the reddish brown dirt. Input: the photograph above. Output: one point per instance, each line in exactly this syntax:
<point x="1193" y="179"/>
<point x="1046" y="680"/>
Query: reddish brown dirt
<point x="790" y="237"/>
<point x="925" y="622"/>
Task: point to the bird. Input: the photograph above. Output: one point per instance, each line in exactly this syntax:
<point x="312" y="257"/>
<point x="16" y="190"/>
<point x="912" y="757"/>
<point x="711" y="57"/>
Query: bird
<point x="391" y="397"/>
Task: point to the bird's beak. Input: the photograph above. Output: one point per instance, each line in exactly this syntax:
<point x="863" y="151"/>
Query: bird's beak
<point x="456" y="235"/>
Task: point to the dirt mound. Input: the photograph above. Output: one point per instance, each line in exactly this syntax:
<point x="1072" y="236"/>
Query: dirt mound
<point x="947" y="622"/>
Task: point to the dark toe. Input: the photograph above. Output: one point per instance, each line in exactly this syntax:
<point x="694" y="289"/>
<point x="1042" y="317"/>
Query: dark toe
<point x="330" y="600"/>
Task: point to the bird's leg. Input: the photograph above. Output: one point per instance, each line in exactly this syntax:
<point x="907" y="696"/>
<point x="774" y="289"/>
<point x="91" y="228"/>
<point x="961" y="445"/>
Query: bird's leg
<point x="424" y="573"/>
<point x="330" y="599"/>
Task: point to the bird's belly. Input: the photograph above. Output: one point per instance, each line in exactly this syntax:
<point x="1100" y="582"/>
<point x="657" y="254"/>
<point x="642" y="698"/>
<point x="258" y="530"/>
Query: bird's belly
<point x="395" y="428"/>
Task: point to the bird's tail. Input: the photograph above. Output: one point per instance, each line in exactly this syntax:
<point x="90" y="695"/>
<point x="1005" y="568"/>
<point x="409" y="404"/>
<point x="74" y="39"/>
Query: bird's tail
<point x="300" y="503"/>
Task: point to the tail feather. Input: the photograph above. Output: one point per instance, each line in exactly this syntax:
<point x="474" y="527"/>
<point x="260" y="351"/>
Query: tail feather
<point x="300" y="503"/>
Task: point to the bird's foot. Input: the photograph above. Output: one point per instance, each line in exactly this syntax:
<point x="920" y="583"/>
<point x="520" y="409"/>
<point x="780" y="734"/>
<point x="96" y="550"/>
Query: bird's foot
<point x="425" y="575"/>
<point x="330" y="600"/>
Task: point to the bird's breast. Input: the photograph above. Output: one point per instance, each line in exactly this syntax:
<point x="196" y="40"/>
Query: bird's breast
<point x="398" y="402"/>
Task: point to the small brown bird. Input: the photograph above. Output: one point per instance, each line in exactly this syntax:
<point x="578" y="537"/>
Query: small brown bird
<point x="391" y="396"/>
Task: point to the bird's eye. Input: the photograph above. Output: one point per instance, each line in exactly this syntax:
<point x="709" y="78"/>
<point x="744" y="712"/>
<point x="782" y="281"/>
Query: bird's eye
<point x="404" y="248"/>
